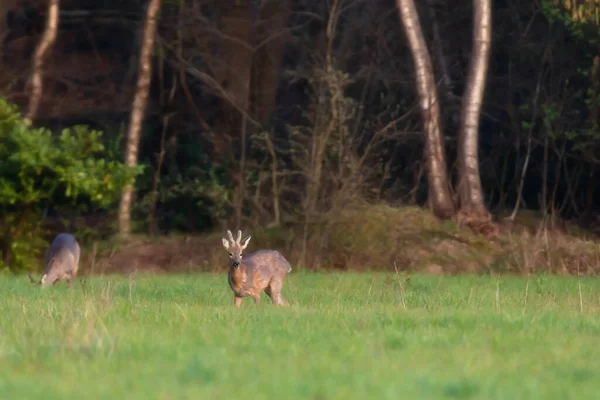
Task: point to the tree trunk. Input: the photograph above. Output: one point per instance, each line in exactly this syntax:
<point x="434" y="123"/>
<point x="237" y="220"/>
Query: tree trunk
<point x="137" y="113"/>
<point x="469" y="181"/>
<point x="48" y="39"/>
<point x="437" y="175"/>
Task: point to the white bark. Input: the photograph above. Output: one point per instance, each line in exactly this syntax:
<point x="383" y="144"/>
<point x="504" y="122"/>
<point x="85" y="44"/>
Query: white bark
<point x="437" y="174"/>
<point x="137" y="113"/>
<point x="469" y="189"/>
<point x="48" y="39"/>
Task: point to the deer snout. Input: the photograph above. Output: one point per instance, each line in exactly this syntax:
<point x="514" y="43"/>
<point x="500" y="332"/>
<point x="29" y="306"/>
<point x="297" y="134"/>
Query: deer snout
<point x="45" y="282"/>
<point x="235" y="264"/>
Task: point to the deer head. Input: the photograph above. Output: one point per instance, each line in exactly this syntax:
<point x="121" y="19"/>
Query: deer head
<point x="235" y="247"/>
<point x="42" y="282"/>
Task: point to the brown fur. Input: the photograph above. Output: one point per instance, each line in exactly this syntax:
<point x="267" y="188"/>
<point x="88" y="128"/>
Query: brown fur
<point x="249" y="275"/>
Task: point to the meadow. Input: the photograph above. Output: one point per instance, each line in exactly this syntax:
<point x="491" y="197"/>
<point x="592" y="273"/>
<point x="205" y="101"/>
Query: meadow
<point x="343" y="336"/>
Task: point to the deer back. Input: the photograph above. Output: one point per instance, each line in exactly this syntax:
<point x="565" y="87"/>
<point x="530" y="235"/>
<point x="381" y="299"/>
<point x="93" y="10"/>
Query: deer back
<point x="64" y="241"/>
<point x="267" y="263"/>
<point x="62" y="257"/>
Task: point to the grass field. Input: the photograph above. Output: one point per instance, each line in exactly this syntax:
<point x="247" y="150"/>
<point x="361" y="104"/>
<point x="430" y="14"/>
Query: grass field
<point x="344" y="336"/>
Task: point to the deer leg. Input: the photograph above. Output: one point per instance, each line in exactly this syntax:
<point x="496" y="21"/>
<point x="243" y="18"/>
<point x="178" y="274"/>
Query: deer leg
<point x="268" y="292"/>
<point x="256" y="298"/>
<point x="237" y="301"/>
<point x="275" y="289"/>
<point x="70" y="278"/>
<point x="282" y="301"/>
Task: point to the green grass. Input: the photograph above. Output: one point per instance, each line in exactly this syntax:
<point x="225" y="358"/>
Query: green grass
<point x="344" y="336"/>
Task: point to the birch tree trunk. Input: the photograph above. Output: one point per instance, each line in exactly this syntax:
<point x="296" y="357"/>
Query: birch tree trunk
<point x="469" y="181"/>
<point x="48" y="39"/>
<point x="437" y="174"/>
<point x="137" y="112"/>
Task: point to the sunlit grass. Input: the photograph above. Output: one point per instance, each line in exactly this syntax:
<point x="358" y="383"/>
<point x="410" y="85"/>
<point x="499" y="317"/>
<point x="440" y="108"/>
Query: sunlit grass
<point x="343" y="336"/>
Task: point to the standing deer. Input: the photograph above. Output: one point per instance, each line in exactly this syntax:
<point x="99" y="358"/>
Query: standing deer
<point x="261" y="270"/>
<point x="62" y="261"/>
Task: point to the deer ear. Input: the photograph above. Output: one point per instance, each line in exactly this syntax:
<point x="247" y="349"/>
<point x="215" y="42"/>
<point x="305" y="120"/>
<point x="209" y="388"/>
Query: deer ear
<point x="246" y="241"/>
<point x="225" y="243"/>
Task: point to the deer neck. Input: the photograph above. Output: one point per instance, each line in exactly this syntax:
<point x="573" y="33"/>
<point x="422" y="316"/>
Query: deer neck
<point x="238" y="276"/>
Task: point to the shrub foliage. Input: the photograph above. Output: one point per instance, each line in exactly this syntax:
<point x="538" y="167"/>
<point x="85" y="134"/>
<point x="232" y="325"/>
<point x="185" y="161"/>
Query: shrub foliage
<point x="38" y="169"/>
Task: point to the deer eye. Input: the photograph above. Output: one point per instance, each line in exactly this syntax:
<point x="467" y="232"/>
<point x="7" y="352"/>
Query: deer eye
<point x="230" y="254"/>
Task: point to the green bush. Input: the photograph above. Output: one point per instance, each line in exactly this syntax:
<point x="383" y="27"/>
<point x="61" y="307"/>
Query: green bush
<point x="38" y="169"/>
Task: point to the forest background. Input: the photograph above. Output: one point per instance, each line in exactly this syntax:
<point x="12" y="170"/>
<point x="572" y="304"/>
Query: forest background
<point x="442" y="136"/>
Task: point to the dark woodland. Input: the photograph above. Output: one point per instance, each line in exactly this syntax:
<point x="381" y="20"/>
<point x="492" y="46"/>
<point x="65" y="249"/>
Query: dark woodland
<point x="348" y="133"/>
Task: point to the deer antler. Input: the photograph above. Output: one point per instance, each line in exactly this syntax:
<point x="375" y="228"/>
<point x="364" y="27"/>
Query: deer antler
<point x="230" y="236"/>
<point x="239" y="237"/>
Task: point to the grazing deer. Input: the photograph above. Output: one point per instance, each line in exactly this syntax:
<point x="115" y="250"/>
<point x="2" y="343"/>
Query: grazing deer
<point x="62" y="261"/>
<point x="261" y="270"/>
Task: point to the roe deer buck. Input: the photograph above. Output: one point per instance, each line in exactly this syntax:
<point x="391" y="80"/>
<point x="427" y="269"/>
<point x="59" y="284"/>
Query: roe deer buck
<point x="261" y="270"/>
<point x="62" y="261"/>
